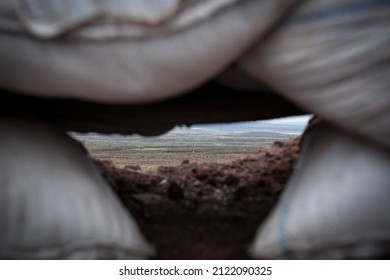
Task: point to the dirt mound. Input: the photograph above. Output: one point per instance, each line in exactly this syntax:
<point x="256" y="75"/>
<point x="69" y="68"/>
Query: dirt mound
<point x="204" y="211"/>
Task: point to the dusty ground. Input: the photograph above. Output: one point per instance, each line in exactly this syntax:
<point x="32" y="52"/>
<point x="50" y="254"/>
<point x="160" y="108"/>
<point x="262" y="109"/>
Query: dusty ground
<point x="204" y="210"/>
<point x="150" y="161"/>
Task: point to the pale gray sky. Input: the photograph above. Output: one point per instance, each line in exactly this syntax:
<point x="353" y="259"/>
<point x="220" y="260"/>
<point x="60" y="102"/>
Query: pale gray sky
<point x="289" y="125"/>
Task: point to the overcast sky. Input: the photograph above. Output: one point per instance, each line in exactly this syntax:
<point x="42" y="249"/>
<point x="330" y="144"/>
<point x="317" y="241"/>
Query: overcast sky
<point x="290" y="125"/>
<point x="297" y="120"/>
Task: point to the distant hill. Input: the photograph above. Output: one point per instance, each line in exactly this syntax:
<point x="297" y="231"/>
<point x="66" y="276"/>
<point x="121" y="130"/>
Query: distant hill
<point x="247" y="134"/>
<point x="289" y="126"/>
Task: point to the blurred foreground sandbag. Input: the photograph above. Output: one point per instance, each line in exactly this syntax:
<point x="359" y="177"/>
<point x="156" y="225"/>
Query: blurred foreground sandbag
<point x="126" y="51"/>
<point x="53" y="202"/>
<point x="335" y="205"/>
<point x="333" y="59"/>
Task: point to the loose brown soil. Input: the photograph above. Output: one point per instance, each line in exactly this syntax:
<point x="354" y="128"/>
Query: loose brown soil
<point x="204" y="210"/>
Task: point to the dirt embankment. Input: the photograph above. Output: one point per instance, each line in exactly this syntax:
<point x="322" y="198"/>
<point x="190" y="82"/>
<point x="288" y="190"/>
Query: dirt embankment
<point x="204" y="211"/>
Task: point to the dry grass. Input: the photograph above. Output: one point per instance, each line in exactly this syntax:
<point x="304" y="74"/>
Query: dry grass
<point x="171" y="150"/>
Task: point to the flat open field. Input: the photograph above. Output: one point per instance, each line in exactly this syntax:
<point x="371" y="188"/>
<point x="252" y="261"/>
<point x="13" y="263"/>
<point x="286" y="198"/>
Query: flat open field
<point x="148" y="153"/>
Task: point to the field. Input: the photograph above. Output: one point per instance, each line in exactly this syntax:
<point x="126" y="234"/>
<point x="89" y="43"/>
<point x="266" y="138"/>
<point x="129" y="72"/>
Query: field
<point x="148" y="153"/>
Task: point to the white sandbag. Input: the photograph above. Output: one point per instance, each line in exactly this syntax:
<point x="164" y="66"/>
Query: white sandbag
<point x="333" y="59"/>
<point x="91" y="49"/>
<point x="105" y="19"/>
<point x="336" y="204"/>
<point x="53" y="202"/>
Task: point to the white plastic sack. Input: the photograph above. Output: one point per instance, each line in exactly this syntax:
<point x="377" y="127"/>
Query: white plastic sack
<point x="335" y="205"/>
<point x="53" y="202"/>
<point x="332" y="58"/>
<point x="93" y="50"/>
